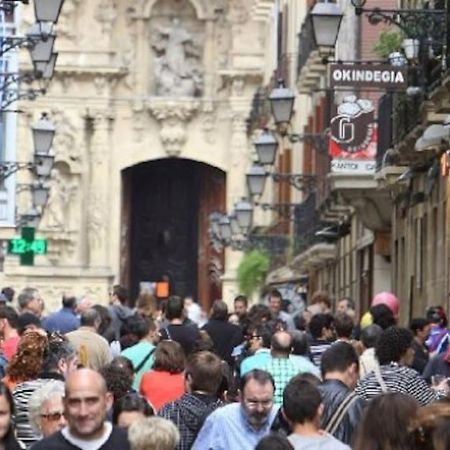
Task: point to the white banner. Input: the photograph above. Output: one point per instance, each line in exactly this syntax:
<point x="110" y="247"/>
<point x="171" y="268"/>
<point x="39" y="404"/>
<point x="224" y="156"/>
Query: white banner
<point x="353" y="166"/>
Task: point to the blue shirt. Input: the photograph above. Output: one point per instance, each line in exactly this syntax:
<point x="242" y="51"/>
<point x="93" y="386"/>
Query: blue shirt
<point x="64" y="321"/>
<point x="227" y="429"/>
<point x="256" y="361"/>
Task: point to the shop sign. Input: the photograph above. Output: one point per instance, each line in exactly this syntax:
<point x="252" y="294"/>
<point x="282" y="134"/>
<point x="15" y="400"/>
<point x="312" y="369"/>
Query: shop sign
<point x="354" y="136"/>
<point x="374" y="76"/>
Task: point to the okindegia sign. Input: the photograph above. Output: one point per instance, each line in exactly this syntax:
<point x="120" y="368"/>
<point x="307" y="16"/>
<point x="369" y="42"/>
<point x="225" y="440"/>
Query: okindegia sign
<point x="375" y="76"/>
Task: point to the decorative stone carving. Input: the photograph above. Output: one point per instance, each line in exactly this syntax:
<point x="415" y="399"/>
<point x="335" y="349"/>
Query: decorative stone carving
<point x="239" y="12"/>
<point x="61" y="245"/>
<point x="106" y="14"/>
<point x="62" y="193"/>
<point x="209" y="123"/>
<point x="178" y="68"/>
<point x="65" y="143"/>
<point x="96" y="221"/>
<point x="173" y="116"/>
<point x="67" y="23"/>
<point x="57" y="223"/>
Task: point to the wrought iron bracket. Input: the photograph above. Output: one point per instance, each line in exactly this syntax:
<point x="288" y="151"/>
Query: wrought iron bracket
<point x="273" y="244"/>
<point x="317" y="140"/>
<point x="415" y="23"/>
<point x="284" y="210"/>
<point x="7" y="168"/>
<point x="300" y="181"/>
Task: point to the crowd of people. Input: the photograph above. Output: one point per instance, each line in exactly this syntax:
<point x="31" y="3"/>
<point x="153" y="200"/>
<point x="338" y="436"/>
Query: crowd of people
<point x="162" y="376"/>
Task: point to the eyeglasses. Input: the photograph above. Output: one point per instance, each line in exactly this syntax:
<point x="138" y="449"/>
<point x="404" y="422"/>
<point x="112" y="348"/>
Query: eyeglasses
<point x="53" y="417"/>
<point x="253" y="337"/>
<point x="254" y="403"/>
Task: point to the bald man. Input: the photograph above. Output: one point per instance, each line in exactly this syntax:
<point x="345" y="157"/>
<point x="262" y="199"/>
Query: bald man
<point x="280" y="366"/>
<point x="85" y="406"/>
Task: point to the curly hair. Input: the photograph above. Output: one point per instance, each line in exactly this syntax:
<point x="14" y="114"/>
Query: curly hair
<point x="27" y="362"/>
<point x="118" y="380"/>
<point x="393" y="344"/>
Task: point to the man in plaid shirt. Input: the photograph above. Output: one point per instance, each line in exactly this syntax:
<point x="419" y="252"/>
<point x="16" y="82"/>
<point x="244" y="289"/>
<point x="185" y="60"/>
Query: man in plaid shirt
<point x="203" y="377"/>
<point x="280" y="366"/>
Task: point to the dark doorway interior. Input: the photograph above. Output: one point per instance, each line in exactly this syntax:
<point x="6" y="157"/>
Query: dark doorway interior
<point x="165" y="208"/>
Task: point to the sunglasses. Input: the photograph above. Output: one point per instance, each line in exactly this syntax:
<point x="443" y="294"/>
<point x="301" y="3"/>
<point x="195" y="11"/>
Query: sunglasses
<point x="53" y="417"/>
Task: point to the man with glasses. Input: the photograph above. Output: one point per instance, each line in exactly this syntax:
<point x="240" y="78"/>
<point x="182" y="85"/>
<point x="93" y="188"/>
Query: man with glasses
<point x="241" y="425"/>
<point x="258" y="344"/>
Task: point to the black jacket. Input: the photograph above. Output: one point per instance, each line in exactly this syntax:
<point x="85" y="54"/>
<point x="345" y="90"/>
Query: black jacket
<point x="225" y="336"/>
<point x="117" y="440"/>
<point x="333" y="394"/>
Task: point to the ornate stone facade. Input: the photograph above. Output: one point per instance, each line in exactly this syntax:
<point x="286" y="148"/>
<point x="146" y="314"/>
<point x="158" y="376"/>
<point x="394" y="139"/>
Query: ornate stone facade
<point x="138" y="81"/>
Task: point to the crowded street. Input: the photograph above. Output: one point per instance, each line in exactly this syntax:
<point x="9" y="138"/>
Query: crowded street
<point x="224" y="225"/>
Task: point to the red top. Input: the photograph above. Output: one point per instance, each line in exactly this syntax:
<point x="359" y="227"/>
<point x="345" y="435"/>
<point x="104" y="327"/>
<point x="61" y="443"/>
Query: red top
<point x="160" y="387"/>
<point x="9" y="347"/>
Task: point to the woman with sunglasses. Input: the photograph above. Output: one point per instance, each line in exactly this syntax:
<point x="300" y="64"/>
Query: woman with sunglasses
<point x="8" y="439"/>
<point x="46" y="408"/>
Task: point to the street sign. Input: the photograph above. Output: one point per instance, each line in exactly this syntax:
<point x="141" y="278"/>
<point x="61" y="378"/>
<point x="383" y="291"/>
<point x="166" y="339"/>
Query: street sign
<point x="27" y="246"/>
<point x="374" y="76"/>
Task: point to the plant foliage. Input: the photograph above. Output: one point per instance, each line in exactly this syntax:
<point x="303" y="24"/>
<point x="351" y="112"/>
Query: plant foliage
<point x="388" y="42"/>
<point x="252" y="271"/>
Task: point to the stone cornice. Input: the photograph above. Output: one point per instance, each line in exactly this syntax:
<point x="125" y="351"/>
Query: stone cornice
<point x="77" y="71"/>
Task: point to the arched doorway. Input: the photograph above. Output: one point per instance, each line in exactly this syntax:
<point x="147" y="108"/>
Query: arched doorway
<point x="165" y="206"/>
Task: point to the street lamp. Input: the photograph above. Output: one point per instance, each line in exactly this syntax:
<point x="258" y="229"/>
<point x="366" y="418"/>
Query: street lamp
<point x="225" y="228"/>
<point x="256" y="179"/>
<point x="282" y="103"/>
<point x="43" y="42"/>
<point x="43" y="134"/>
<point x="46" y="69"/>
<point x="266" y="147"/>
<point x="47" y="10"/>
<point x="244" y="213"/>
<point x="43" y="163"/>
<point x="39" y="193"/>
<point x="326" y="20"/>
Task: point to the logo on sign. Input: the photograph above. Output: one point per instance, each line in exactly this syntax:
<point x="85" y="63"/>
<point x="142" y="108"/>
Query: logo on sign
<point x="353" y="126"/>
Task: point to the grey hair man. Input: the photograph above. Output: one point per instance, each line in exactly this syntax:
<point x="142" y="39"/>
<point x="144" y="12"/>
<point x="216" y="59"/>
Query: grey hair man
<point x="86" y="403"/>
<point x="30" y="301"/>
<point x="93" y="349"/>
<point x="46" y="409"/>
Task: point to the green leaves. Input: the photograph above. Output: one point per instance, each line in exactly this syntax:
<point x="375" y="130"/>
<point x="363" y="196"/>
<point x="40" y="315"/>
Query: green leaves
<point x="388" y="42"/>
<point x="252" y="271"/>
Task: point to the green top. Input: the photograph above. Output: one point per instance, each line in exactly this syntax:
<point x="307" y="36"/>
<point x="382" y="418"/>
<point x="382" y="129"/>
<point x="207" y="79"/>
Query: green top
<point x="136" y="355"/>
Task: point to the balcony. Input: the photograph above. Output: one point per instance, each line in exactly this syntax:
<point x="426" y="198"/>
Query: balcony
<point x="310" y="67"/>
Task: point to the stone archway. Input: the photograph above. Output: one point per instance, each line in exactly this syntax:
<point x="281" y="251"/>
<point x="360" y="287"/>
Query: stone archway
<point x="165" y="209"/>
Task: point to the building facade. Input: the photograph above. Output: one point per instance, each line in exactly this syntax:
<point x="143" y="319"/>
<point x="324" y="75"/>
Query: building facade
<point x="150" y="100"/>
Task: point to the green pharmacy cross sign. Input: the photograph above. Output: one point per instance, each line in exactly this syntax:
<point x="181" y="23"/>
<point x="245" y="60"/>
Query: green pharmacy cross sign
<point x="27" y="246"/>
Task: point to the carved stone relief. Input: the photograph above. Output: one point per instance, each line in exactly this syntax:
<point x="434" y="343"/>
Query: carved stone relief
<point x="67" y="23"/>
<point x="59" y="223"/>
<point x="176" y="44"/>
<point x="173" y="115"/>
<point x="65" y="144"/>
<point x="177" y="61"/>
<point x="96" y="221"/>
<point x="106" y="14"/>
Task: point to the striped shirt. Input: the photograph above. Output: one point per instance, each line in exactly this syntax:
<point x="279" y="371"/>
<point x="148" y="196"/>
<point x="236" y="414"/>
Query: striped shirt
<point x="397" y="379"/>
<point x="21" y="395"/>
<point x="317" y="349"/>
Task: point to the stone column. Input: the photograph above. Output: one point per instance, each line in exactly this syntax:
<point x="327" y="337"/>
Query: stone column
<point x="240" y="158"/>
<point x="98" y="217"/>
